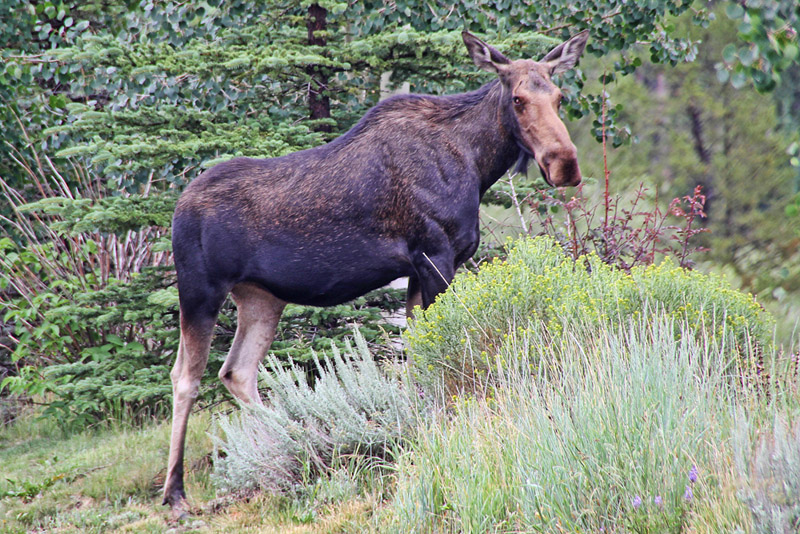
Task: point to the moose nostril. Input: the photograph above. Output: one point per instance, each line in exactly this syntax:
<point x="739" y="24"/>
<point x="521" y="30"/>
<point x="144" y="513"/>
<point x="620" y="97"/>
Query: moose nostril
<point x="561" y="166"/>
<point x="571" y="171"/>
<point x="564" y="154"/>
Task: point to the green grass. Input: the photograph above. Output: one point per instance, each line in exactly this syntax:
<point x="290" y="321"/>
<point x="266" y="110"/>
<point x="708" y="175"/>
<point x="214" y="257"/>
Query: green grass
<point x="566" y="446"/>
<point x="109" y="480"/>
<point x="95" y="481"/>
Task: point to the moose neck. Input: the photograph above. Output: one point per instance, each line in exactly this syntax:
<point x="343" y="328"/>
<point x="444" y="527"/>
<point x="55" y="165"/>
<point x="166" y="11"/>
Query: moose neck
<point x="487" y="127"/>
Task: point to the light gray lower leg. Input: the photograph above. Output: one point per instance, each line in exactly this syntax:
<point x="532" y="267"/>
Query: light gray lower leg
<point x="190" y="363"/>
<point x="258" y="313"/>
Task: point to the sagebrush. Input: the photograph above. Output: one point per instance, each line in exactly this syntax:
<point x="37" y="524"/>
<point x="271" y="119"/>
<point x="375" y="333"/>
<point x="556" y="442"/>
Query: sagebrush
<point x="352" y="408"/>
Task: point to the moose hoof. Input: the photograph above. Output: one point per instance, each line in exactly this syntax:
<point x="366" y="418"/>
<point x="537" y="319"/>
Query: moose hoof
<point x="179" y="506"/>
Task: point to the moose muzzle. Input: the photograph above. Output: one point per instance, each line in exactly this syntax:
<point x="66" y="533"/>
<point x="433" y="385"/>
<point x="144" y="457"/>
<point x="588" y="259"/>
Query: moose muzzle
<point x="560" y="167"/>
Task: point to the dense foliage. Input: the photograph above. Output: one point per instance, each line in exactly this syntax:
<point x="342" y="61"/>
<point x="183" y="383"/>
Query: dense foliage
<point x="110" y="108"/>
<point x="473" y="330"/>
<point x="769" y="31"/>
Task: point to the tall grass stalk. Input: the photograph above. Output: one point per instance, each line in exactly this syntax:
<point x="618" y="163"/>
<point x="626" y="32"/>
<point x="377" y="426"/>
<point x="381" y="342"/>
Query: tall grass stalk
<point x="602" y="434"/>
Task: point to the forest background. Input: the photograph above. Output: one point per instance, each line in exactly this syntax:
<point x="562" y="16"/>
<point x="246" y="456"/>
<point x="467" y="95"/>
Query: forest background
<point x="109" y="108"/>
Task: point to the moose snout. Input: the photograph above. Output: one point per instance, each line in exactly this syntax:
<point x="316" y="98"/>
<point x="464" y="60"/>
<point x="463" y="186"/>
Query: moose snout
<point x="561" y="166"/>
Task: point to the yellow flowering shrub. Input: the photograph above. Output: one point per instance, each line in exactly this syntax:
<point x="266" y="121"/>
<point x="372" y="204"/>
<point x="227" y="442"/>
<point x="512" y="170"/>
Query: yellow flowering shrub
<point x="496" y="317"/>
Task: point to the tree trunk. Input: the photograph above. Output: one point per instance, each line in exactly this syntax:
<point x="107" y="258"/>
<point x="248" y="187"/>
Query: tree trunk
<point x="319" y="103"/>
<point x="697" y="134"/>
<point x="704" y="155"/>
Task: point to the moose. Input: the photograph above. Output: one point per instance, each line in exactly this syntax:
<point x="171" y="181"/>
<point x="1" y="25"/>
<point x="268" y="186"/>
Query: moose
<point x="396" y="196"/>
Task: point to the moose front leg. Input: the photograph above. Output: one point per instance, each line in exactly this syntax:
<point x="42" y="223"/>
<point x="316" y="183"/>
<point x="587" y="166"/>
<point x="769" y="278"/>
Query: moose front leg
<point x="434" y="272"/>
<point x="413" y="296"/>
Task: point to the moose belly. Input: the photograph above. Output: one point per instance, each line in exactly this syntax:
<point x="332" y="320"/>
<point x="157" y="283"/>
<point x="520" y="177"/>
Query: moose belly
<point x="327" y="275"/>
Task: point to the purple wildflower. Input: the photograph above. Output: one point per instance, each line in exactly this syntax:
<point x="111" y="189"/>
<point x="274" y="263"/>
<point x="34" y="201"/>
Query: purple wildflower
<point x="637" y="502"/>
<point x="693" y="474"/>
<point x="688" y="494"/>
<point x="658" y="501"/>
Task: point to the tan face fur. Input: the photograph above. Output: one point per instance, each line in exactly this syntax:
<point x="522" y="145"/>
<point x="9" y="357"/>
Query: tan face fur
<point x="535" y="101"/>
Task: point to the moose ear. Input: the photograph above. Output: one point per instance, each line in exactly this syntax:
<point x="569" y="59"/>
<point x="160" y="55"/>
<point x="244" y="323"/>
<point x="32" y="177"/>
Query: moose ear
<point x="566" y="55"/>
<point x="484" y="56"/>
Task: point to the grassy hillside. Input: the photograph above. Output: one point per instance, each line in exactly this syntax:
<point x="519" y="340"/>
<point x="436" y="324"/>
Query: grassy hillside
<point x="539" y="395"/>
<point x="634" y="431"/>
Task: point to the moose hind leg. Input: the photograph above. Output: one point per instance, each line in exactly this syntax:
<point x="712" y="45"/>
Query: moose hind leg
<point x="190" y="363"/>
<point x="258" y="313"/>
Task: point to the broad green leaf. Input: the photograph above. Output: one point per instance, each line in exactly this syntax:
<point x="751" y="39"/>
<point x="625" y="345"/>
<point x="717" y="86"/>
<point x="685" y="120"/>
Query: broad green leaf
<point x="734" y="11"/>
<point x="738" y="79"/>
<point x="790" y="51"/>
<point x="729" y="53"/>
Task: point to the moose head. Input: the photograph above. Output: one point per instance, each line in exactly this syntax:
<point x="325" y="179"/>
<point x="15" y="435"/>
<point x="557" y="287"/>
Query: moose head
<point x="534" y="102"/>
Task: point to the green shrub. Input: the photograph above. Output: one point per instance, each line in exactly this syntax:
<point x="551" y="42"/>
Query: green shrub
<point x="91" y="353"/>
<point x="91" y="305"/>
<point x="354" y="408"/>
<point x="466" y="333"/>
<point x="626" y="432"/>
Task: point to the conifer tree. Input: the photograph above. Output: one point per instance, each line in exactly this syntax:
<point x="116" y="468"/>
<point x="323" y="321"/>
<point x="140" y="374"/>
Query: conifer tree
<point x="146" y="94"/>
